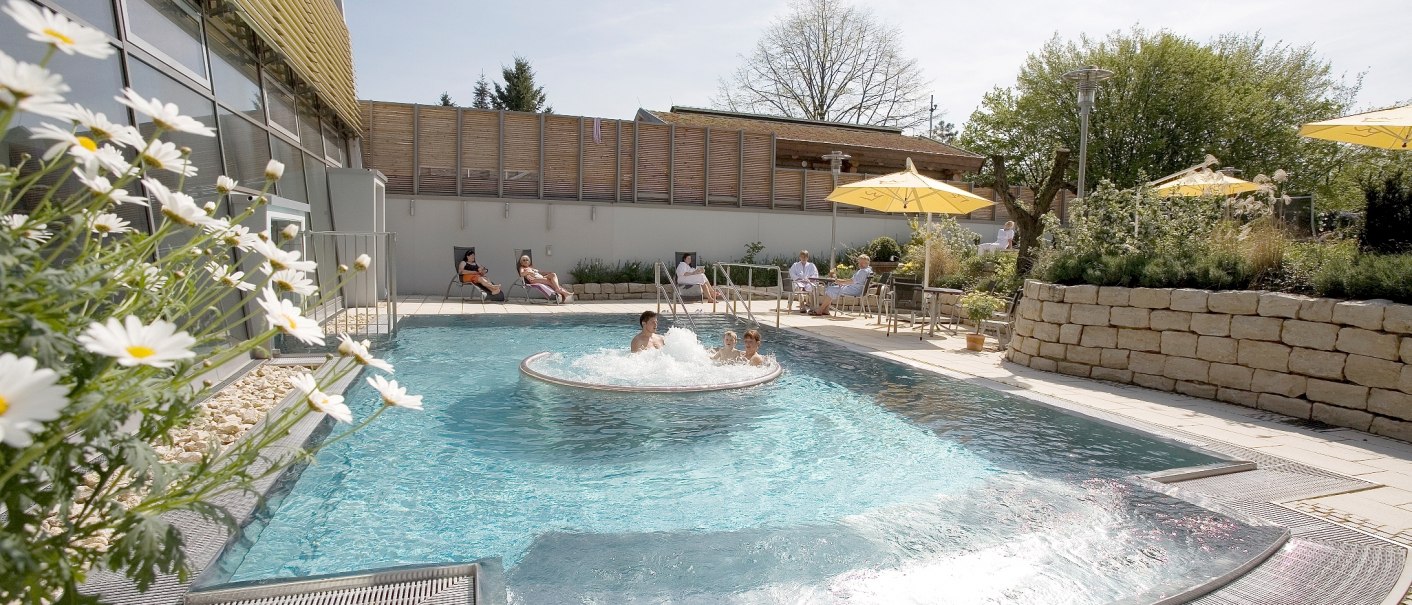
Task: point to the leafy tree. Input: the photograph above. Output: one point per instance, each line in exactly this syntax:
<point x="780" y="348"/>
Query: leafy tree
<point x="482" y="98"/>
<point x="1171" y="102"/>
<point x="519" y="92"/>
<point x="446" y="100"/>
<point x="1387" y="227"/>
<point x="827" y="60"/>
<point x="944" y="131"/>
<point x="1029" y="216"/>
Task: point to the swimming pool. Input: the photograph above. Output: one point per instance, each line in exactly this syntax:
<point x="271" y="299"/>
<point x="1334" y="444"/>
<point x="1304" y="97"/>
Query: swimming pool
<point x="848" y="479"/>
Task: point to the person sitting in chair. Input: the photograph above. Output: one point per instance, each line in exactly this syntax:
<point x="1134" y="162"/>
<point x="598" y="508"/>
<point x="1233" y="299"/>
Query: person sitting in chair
<point x="473" y="273"/>
<point x="532" y="275"/>
<point x="803" y="273"/>
<point x="854" y="288"/>
<point x="687" y="276"/>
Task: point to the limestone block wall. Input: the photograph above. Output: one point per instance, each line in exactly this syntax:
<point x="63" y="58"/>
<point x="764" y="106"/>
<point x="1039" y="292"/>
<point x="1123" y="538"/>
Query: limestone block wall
<point x="613" y="291"/>
<point x="1344" y="363"/>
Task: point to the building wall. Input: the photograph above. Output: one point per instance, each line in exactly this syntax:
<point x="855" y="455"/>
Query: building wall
<point x="563" y="233"/>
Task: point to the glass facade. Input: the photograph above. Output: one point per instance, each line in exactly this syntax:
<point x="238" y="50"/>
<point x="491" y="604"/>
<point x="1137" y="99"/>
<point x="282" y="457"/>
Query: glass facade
<point x="206" y="66"/>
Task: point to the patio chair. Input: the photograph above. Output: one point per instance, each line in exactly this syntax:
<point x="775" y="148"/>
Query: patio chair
<point x="546" y="293"/>
<point x="1002" y="323"/>
<point x="459" y="252"/>
<point x="691" y="292"/>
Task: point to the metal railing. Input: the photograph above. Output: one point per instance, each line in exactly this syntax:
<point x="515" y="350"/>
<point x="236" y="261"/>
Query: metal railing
<point x="746" y="293"/>
<point x="669" y="292"/>
<point x="360" y="303"/>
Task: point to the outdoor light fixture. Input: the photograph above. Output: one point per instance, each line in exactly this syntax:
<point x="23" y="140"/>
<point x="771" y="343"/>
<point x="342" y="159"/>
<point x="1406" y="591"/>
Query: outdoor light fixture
<point x="835" y="159"/>
<point x="1087" y="78"/>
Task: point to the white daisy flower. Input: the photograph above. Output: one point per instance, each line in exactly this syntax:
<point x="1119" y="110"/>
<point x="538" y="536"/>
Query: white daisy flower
<point x="56" y="30"/>
<point x="177" y="206"/>
<point x="236" y="236"/>
<point x="360" y="353"/>
<point x="394" y="395"/>
<point x="329" y="404"/>
<point x="362" y="262"/>
<point x="153" y="278"/>
<point x="104" y="129"/>
<point x="106" y="223"/>
<point x="165" y="156"/>
<point x="32" y="88"/>
<point x="109" y="158"/>
<point x="29" y="395"/>
<point x="289" y="280"/>
<point x="274" y="170"/>
<point x="283" y="315"/>
<point x="79" y="146"/>
<point x="158" y="344"/>
<point x="224" y="184"/>
<point x="278" y="259"/>
<point x="166" y="116"/>
<point x="34" y="232"/>
<point x="224" y="275"/>
<point x="102" y="187"/>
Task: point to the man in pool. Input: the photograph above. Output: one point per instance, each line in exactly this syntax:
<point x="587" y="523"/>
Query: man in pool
<point x="752" y="348"/>
<point x="648" y="338"/>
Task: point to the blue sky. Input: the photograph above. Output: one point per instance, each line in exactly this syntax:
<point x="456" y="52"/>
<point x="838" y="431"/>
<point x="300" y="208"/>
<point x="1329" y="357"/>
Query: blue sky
<point x="609" y="58"/>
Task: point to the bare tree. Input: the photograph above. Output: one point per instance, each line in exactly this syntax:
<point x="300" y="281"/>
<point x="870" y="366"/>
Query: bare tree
<point x="828" y="60"/>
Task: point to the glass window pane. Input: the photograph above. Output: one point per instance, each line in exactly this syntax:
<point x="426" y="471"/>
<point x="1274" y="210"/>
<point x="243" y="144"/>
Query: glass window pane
<point x="333" y="146"/>
<point x="309" y="135"/>
<point x="205" y="151"/>
<point x="291" y="185"/>
<point x="247" y="150"/>
<point x="236" y="78"/>
<point x="316" y="179"/>
<point x="281" y="106"/>
<point x="93" y="82"/>
<point x="169" y="29"/>
<point x="97" y="13"/>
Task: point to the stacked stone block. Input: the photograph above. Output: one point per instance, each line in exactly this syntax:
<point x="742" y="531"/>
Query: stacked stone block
<point x="613" y="291"/>
<point x="1346" y="363"/>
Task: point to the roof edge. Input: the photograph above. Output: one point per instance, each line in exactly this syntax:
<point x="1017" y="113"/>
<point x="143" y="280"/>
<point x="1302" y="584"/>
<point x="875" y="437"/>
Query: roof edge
<point x="770" y="118"/>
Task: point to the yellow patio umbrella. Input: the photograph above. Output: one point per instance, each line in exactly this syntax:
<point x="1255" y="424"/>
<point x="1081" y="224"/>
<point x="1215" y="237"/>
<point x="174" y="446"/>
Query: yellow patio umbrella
<point x="1205" y="182"/>
<point x="1386" y="129"/>
<point x="908" y="191"/>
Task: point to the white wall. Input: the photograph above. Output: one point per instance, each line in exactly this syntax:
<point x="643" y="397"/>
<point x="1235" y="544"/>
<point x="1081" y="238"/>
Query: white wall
<point x="562" y="233"/>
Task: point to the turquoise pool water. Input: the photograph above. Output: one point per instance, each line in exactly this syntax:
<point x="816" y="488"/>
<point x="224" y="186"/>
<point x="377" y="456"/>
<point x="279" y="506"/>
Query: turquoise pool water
<point x="849" y="479"/>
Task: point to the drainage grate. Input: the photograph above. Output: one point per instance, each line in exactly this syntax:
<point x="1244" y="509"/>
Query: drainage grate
<point x="1309" y="571"/>
<point x="445" y="591"/>
<point x="454" y="584"/>
<point x="1272" y="485"/>
<point x="1306" y="526"/>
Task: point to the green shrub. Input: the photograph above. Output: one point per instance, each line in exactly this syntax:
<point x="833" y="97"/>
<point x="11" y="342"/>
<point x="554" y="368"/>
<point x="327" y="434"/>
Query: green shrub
<point x="1369" y="276"/>
<point x="590" y="271"/>
<point x="884" y="249"/>
<point x="1387" y="226"/>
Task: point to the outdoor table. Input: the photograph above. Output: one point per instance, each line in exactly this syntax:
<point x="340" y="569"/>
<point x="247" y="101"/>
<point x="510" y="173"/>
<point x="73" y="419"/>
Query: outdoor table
<point x="817" y="290"/>
<point x="934" y="310"/>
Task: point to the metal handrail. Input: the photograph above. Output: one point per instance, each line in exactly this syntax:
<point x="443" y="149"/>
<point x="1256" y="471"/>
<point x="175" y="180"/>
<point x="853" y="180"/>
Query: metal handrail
<point x="734" y="291"/>
<point x="659" y="269"/>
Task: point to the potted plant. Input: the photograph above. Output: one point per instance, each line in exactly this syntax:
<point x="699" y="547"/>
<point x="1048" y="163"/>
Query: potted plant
<point x="885" y="254"/>
<point x="979" y="307"/>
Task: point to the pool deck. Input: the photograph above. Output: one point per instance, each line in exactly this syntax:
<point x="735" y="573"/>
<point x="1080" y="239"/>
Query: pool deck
<point x="1384" y="511"/>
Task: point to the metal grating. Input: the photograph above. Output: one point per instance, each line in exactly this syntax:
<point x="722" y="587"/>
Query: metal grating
<point x="443" y="591"/>
<point x="1271" y="485"/>
<point x="1306" y="526"/>
<point x="1316" y="573"/>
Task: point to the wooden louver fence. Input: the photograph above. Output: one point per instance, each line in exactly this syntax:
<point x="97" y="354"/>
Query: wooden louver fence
<point x="452" y="151"/>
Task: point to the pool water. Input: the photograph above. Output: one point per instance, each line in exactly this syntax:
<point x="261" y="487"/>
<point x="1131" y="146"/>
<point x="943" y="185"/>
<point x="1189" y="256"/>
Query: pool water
<point x="848" y="479"/>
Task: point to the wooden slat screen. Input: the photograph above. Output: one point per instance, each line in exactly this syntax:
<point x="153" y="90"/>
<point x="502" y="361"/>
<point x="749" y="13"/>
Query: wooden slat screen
<point x="725" y="168"/>
<point x="598" y="164"/>
<point x="653" y="157"/>
<point x="789" y="188"/>
<point x="436" y="150"/>
<point x="690" y="176"/>
<point x="561" y="157"/>
<point x="627" y="184"/>
<point x="480" y="152"/>
<point x="388" y="147"/>
<point x="984" y="214"/>
<point x="521" y="154"/>
<point x="820" y="186"/>
<point x="759" y="166"/>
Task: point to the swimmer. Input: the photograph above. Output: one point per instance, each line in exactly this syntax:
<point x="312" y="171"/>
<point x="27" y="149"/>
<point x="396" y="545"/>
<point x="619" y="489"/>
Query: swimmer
<point x="727" y="352"/>
<point x="648" y="338"/>
<point x="752" y="348"/>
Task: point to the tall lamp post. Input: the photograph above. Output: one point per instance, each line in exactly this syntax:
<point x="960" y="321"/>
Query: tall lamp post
<point x="835" y="159"/>
<point x="1087" y="78"/>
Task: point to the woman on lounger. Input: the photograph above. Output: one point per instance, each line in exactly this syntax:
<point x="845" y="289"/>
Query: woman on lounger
<point x="534" y="276"/>
<point x="473" y="273"/>
<point x="687" y="276"/>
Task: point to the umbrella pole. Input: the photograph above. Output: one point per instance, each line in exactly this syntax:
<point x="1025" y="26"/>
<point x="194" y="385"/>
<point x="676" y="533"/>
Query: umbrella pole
<point x="833" y="240"/>
<point x="927" y="253"/>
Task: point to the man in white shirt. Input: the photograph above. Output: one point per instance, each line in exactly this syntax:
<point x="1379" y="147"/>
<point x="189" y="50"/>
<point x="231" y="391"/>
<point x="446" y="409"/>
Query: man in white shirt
<point x="803" y="273"/>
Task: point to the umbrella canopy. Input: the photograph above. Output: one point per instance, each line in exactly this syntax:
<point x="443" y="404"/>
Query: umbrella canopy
<point x="1204" y="182"/>
<point x="1386" y="129"/>
<point x="908" y="191"/>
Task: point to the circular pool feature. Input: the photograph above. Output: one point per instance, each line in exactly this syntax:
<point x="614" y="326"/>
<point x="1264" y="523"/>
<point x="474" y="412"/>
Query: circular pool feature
<point x="540" y="366"/>
<point x="682" y="365"/>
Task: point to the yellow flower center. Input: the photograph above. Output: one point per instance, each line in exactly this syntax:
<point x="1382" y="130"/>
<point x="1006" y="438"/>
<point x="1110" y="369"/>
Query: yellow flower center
<point x="58" y="36"/>
<point x="141" y="352"/>
<point x="147" y="159"/>
<point x="4" y="405"/>
<point x="87" y="143"/>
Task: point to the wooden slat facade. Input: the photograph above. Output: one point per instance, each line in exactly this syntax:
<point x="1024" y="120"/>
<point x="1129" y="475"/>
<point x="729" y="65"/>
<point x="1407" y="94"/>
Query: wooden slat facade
<point x="426" y="150"/>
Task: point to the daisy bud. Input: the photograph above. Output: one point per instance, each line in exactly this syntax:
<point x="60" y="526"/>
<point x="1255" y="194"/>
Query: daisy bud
<point x="224" y="184"/>
<point x="274" y="170"/>
<point x="178" y="274"/>
<point x="185" y="151"/>
<point x="209" y="207"/>
<point x="289" y="232"/>
<point x="264" y="236"/>
<point x="362" y="262"/>
<point x="343" y="268"/>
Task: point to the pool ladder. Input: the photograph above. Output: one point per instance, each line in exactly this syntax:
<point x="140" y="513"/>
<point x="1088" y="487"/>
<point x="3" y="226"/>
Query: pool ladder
<point x="670" y="292"/>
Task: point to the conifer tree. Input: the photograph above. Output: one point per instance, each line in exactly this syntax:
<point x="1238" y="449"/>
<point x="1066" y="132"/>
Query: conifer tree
<point x="482" y="96"/>
<point x="519" y="92"/>
<point x="445" y="100"/>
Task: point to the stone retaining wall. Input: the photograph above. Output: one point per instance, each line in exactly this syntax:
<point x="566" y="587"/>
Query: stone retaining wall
<point x="613" y="291"/>
<point x="1344" y="363"/>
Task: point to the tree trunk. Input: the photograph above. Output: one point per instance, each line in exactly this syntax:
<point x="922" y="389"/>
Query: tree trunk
<point x="1027" y="220"/>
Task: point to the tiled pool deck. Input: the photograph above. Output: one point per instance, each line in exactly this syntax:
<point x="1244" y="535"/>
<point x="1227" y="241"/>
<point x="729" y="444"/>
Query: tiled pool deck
<point x="1384" y="511"/>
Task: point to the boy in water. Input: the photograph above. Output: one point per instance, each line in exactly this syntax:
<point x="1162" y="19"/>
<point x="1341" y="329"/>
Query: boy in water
<point x="752" y="348"/>
<point x="648" y="338"/>
<point x="727" y="352"/>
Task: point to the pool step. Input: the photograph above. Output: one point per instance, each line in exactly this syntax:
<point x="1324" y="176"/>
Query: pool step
<point x="477" y="583"/>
